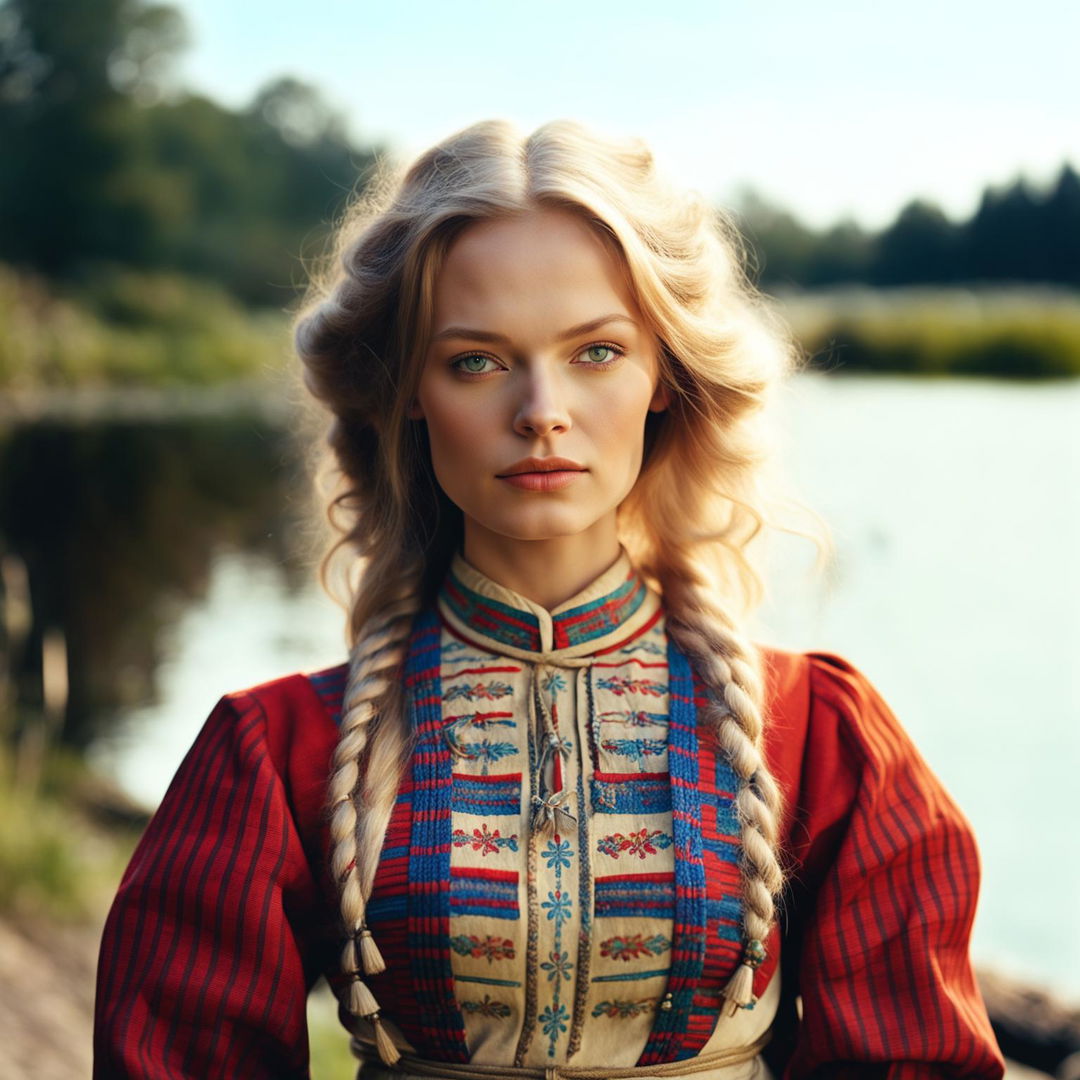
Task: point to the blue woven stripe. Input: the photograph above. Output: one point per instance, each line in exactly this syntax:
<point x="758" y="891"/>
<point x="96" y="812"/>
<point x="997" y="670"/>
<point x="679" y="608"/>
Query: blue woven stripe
<point x="688" y="937"/>
<point x="484" y="796"/>
<point x="599" y="616"/>
<point x="429" y="867"/>
<point x="630" y="898"/>
<point x="649" y="793"/>
<point x="329" y="684"/>
<point x="493" y="617"/>
<point x="496" y="899"/>
<point x="380" y="908"/>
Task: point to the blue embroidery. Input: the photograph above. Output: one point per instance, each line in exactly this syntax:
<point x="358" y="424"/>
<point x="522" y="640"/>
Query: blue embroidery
<point x="553" y="1022"/>
<point x="486" y="796"/>
<point x="635" y="718"/>
<point x="557" y="907"/>
<point x="647" y="793"/>
<point x="486" y="751"/>
<point x="481" y="691"/>
<point x="558" y="854"/>
<point x="483" y="892"/>
<point x="638" y="750"/>
<point x="630" y="894"/>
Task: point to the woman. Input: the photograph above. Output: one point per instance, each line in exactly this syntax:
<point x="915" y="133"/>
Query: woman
<point x="557" y="812"/>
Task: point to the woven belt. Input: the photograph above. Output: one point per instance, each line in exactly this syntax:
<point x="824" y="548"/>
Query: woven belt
<point x="448" y="1070"/>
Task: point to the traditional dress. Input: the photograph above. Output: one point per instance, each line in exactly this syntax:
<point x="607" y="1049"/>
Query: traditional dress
<point x="559" y="887"/>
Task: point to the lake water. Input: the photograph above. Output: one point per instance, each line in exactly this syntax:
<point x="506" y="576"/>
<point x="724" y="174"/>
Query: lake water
<point x="955" y="514"/>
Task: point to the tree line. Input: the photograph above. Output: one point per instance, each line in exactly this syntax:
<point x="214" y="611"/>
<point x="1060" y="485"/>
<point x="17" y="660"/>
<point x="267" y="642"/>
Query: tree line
<point x="104" y="162"/>
<point x="1017" y="235"/>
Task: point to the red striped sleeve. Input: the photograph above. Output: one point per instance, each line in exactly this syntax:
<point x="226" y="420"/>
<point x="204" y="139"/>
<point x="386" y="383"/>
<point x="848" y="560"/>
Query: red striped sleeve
<point x="885" y="886"/>
<point x="202" y="971"/>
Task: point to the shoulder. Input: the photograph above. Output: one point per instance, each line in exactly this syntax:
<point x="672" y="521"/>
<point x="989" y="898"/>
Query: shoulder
<point x="808" y="692"/>
<point x="293" y="721"/>
<point x="828" y="729"/>
<point x="297" y="695"/>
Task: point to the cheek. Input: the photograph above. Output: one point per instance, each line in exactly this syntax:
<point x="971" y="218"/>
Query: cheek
<point x="453" y="435"/>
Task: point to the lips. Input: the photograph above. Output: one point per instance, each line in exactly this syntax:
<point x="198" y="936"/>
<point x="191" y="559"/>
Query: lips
<point x="542" y="465"/>
<point x="542" y="474"/>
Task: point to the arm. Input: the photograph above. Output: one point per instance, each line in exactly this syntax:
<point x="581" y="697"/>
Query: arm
<point x="201" y="973"/>
<point x="890" y="877"/>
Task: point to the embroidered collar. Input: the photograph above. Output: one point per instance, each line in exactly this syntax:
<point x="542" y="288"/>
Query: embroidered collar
<point x="615" y="607"/>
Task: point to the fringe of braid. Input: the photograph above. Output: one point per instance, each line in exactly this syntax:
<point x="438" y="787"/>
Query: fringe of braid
<point x="726" y="662"/>
<point x="360" y="811"/>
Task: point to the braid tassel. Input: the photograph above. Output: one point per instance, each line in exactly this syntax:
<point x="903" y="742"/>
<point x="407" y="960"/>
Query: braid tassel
<point x="372" y="959"/>
<point x="362" y="1003"/>
<point x="739" y="990"/>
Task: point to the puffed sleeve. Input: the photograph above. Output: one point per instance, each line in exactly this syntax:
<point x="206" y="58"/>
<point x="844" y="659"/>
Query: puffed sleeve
<point x="885" y="888"/>
<point x="204" y="969"/>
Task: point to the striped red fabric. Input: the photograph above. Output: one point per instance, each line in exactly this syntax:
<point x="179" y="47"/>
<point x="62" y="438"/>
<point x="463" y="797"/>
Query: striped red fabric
<point x="226" y="915"/>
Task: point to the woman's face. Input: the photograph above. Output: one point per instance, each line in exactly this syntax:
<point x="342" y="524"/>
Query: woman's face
<point x="537" y="353"/>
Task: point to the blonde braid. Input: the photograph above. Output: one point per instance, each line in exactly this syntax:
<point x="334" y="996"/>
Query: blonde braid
<point x="727" y="663"/>
<point x="360" y="806"/>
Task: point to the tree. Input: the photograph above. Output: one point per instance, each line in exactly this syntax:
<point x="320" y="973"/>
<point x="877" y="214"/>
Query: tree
<point x="922" y="245"/>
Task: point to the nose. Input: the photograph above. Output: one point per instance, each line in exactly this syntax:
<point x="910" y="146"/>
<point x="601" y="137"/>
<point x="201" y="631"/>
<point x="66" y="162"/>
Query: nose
<point x="542" y="408"/>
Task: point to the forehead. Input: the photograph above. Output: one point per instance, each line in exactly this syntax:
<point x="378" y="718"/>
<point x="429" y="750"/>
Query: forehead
<point x="542" y="259"/>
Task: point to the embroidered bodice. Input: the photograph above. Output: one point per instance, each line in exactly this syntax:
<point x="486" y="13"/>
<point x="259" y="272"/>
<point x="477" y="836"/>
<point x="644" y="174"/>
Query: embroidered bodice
<point x="572" y="893"/>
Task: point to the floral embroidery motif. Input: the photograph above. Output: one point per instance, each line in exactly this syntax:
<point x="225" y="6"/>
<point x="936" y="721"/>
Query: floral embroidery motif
<point x="557" y="854"/>
<point x="485" y="841"/>
<point x="491" y="947"/>
<point x="557" y="907"/>
<point x="624" y="1010"/>
<point x="497" y="1010"/>
<point x="621" y="684"/>
<point x="557" y="966"/>
<point x="486" y="752"/>
<point x="554" y="683"/>
<point x="481" y="691"/>
<point x="640" y="843"/>
<point x="637" y="749"/>
<point x="553" y="1023"/>
<point x="635" y="718"/>
<point x="634" y="946"/>
<point x="453" y="732"/>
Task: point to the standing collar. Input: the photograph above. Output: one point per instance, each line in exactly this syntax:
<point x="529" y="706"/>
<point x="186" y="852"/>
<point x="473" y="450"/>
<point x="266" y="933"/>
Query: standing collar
<point x="611" y="609"/>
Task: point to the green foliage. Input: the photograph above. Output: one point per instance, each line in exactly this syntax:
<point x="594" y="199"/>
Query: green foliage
<point x="1017" y="236"/>
<point x="330" y="1053"/>
<point x="103" y="160"/>
<point x="944" y="332"/>
<point x="119" y="327"/>
<point x="54" y="862"/>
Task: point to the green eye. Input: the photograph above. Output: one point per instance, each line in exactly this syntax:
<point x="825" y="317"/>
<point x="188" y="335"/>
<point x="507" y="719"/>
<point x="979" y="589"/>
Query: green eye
<point x="599" y="354"/>
<point x="474" y="364"/>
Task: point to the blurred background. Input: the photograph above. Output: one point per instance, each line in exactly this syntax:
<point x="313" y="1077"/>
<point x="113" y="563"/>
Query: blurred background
<point x="906" y="180"/>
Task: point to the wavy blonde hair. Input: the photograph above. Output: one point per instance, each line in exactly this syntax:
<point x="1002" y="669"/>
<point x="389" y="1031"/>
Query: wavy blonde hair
<point x="698" y="502"/>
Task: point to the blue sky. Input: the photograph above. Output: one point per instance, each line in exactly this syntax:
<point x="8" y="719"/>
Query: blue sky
<point x="832" y="108"/>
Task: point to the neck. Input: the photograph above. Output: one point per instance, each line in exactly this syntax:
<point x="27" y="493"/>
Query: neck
<point x="549" y="571"/>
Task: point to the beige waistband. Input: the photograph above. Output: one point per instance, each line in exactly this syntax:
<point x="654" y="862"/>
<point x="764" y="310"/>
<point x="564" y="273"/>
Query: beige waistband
<point x="410" y="1066"/>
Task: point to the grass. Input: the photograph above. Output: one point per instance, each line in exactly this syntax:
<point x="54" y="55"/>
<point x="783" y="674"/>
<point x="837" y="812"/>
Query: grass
<point x="121" y="328"/>
<point x="1023" y="334"/>
<point x="57" y="861"/>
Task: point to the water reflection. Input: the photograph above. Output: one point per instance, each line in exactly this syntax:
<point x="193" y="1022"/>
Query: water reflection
<point x="119" y="525"/>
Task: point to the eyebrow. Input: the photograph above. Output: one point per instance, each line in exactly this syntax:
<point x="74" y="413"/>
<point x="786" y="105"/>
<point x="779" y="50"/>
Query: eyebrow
<point x="572" y="332"/>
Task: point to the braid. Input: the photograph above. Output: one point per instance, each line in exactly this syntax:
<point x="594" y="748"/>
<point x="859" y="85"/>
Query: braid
<point x="726" y="662"/>
<point x="373" y="704"/>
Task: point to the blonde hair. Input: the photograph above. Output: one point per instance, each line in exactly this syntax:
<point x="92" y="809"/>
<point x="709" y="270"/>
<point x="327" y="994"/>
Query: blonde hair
<point x="696" y="505"/>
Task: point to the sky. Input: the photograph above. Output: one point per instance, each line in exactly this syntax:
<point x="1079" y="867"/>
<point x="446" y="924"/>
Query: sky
<point x="832" y="108"/>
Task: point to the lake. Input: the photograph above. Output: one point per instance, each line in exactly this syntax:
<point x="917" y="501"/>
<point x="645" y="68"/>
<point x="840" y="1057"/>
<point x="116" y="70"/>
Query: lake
<point x="171" y="553"/>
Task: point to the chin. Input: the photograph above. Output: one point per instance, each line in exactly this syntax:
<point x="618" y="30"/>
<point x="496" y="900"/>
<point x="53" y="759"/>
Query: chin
<point x="543" y="525"/>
